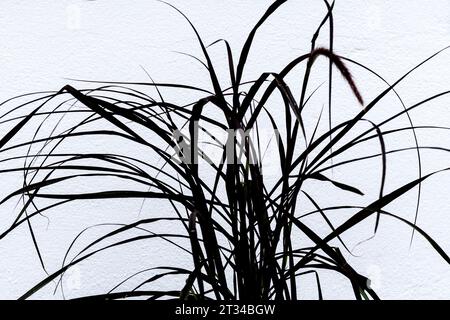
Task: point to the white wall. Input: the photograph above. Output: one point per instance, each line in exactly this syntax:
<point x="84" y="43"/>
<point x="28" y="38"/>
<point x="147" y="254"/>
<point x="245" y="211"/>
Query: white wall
<point x="43" y="42"/>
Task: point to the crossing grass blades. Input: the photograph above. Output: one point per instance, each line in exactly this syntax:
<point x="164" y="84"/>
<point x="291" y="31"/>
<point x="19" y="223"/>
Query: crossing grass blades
<point x="240" y="230"/>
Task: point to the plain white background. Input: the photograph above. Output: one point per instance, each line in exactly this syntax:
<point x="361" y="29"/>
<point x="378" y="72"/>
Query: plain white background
<point x="44" y="42"/>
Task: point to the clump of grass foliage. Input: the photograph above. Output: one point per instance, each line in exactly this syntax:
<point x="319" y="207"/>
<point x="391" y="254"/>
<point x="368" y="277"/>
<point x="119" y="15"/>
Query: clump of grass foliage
<point x="240" y="229"/>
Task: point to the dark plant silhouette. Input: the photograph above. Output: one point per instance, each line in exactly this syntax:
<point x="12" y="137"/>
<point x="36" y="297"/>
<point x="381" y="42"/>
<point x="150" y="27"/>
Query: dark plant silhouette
<point x="239" y="229"/>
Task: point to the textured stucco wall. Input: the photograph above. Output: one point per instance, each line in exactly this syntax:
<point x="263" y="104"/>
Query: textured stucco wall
<point x="42" y="42"/>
